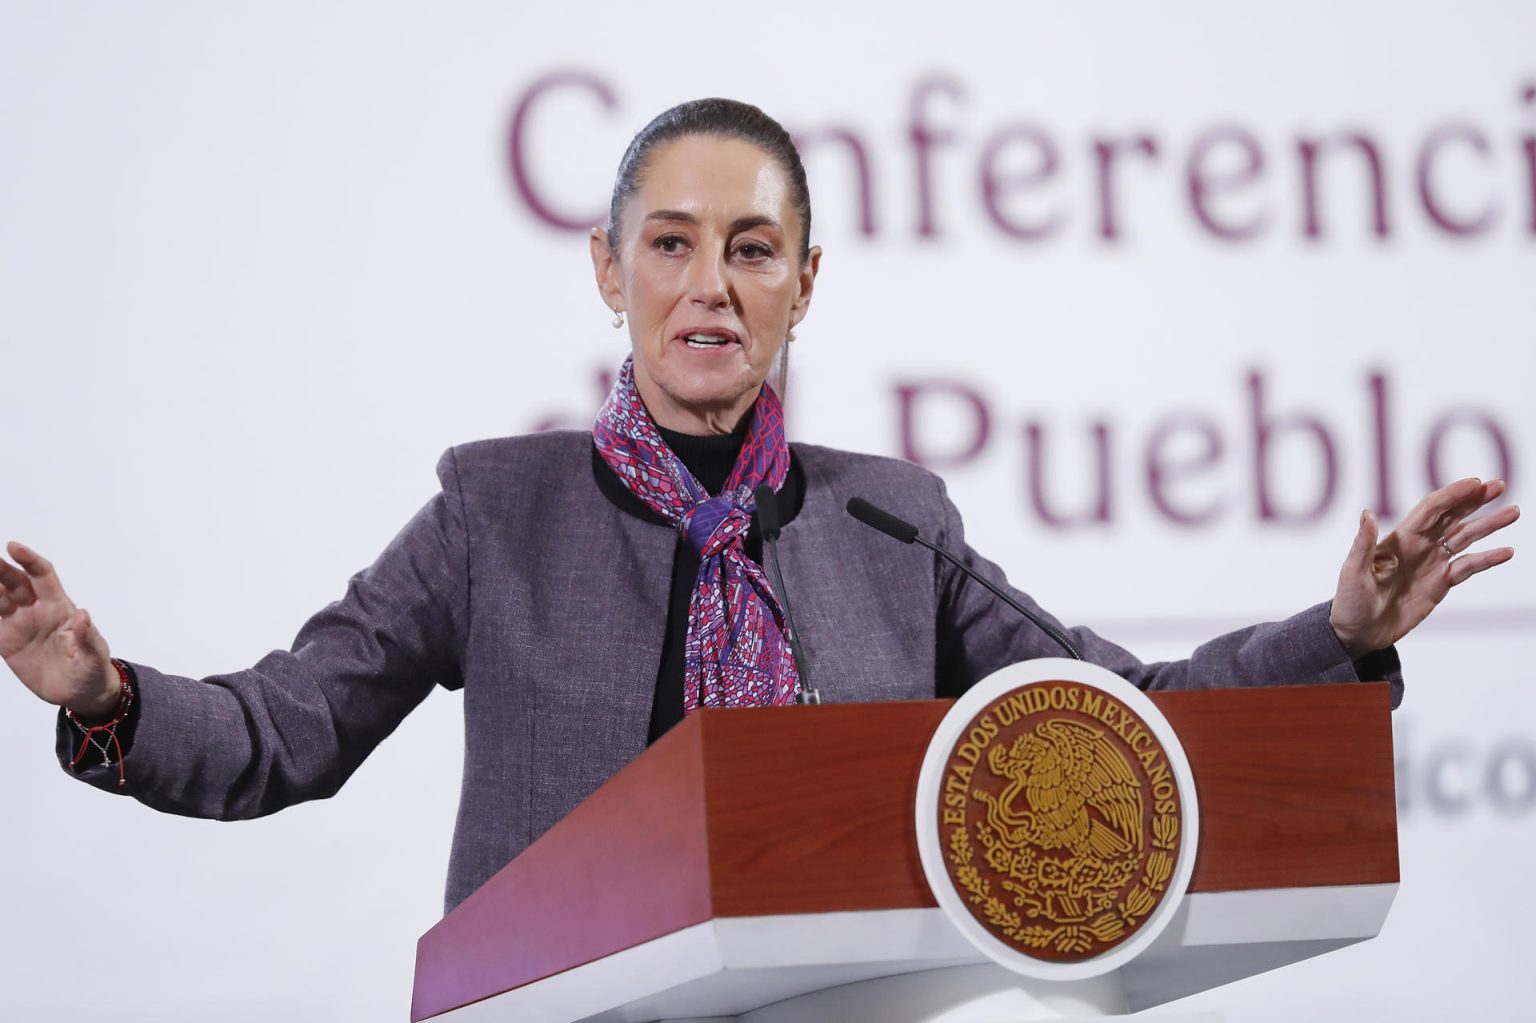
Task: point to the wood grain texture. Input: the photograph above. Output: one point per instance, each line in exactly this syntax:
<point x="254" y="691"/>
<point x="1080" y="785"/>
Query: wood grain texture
<point x="1295" y="783"/>
<point x="627" y="865"/>
<point x="810" y="810"/>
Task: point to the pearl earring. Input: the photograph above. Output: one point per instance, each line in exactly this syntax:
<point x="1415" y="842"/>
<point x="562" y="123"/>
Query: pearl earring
<point x="789" y="335"/>
<point x="618" y="318"/>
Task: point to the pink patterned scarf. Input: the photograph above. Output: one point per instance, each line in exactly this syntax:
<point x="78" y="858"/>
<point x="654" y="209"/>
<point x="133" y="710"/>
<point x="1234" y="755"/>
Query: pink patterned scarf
<point x="737" y="653"/>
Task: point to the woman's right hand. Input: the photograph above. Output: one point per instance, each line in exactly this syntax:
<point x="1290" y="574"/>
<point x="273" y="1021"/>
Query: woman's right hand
<point x="51" y="644"/>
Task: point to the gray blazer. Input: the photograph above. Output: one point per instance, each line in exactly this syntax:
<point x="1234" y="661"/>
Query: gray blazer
<point x="523" y="585"/>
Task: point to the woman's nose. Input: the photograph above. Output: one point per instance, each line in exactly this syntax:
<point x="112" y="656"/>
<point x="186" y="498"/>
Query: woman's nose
<point x="707" y="283"/>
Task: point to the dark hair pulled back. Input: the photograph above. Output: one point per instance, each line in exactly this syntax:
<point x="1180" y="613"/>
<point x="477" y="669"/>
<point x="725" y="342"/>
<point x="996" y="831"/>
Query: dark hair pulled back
<point x="724" y="118"/>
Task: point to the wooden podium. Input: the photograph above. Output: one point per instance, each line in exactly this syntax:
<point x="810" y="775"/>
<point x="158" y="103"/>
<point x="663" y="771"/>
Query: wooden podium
<point x="762" y="864"/>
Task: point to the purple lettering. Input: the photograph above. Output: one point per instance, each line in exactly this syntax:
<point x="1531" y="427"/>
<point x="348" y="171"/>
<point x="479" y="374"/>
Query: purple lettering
<point x="1384" y="506"/>
<point x="517" y="145"/>
<point x="1205" y="183"/>
<point x="968" y="401"/>
<point x="1265" y="431"/>
<point x="1466" y="417"/>
<point x="864" y="180"/>
<point x="924" y="139"/>
<point x="1039" y="170"/>
<point x="1309" y="149"/>
<point x="1100" y="505"/>
<point x="1163" y="468"/>
<point x="1106" y="150"/>
<point x="1427" y="156"/>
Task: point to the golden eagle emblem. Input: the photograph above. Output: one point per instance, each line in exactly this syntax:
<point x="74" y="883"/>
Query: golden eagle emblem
<point x="1060" y="831"/>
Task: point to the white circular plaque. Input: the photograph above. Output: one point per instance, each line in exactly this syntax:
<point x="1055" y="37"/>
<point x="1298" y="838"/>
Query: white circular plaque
<point x="1075" y="808"/>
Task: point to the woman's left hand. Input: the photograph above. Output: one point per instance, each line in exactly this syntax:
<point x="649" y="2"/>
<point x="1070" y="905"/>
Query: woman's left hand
<point x="1387" y="588"/>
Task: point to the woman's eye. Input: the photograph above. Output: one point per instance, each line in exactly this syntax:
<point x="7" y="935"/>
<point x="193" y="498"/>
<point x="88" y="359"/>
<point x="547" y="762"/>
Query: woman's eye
<point x="754" y="251"/>
<point x="670" y="243"/>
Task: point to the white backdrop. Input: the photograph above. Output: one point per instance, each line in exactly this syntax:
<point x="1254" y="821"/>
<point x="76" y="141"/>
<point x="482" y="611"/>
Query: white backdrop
<point x="261" y="263"/>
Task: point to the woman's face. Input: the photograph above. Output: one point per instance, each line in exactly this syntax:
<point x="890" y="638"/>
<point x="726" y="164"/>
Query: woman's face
<point x="708" y="272"/>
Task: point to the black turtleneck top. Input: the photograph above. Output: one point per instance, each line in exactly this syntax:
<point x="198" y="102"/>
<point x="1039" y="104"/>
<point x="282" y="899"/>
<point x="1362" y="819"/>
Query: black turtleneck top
<point x="710" y="459"/>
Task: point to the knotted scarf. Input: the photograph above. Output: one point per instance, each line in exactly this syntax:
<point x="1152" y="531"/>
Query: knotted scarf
<point x="737" y="653"/>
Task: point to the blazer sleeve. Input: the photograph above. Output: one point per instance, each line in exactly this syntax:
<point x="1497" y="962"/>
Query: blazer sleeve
<point x="978" y="634"/>
<point x="296" y="725"/>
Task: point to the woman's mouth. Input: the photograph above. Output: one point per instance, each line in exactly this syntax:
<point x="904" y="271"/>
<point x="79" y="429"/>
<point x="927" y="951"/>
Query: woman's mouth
<point x="706" y="340"/>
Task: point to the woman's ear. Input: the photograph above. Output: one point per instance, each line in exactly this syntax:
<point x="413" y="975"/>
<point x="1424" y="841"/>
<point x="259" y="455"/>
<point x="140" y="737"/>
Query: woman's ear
<point x="807" y="284"/>
<point x="606" y="269"/>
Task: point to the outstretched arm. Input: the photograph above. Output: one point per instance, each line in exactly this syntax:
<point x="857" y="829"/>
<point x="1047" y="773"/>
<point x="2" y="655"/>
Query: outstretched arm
<point x="294" y="726"/>
<point x="52" y="645"/>
<point x="1387" y="588"/>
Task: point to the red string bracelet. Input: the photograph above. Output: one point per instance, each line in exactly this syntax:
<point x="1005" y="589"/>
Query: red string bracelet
<point x="109" y="728"/>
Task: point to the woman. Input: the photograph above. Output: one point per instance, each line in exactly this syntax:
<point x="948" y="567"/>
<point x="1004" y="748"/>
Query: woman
<point x="586" y="590"/>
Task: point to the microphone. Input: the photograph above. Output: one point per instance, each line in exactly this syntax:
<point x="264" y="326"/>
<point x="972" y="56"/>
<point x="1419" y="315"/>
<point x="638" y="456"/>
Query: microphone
<point x="906" y="532"/>
<point x="768" y="520"/>
<point x="884" y="521"/>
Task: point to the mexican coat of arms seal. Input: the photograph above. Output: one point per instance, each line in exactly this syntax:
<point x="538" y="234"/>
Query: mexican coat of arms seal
<point x="1057" y="817"/>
